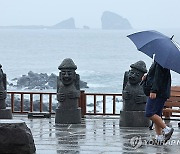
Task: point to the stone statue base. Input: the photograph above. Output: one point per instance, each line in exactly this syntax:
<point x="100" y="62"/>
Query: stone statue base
<point x="16" y="137"/>
<point x="68" y="116"/>
<point x="133" y="119"/>
<point x="6" y="113"/>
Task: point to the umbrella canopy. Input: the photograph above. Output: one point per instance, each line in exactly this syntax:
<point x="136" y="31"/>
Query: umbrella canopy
<point x="167" y="53"/>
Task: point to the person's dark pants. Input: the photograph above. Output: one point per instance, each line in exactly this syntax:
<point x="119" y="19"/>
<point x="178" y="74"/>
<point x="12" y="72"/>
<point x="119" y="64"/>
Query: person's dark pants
<point x="154" y="106"/>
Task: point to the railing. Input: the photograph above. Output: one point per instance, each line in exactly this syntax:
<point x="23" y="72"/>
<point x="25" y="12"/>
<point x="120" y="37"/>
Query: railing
<point x="90" y="103"/>
<point x="103" y="102"/>
<point x="20" y="97"/>
<point x="96" y="101"/>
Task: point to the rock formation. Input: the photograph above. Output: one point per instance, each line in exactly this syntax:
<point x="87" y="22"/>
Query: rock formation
<point x="66" y="24"/>
<point x="39" y="81"/>
<point x="16" y="138"/>
<point x="110" y="20"/>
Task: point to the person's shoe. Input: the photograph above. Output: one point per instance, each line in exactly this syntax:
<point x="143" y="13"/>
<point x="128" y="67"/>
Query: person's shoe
<point x="168" y="135"/>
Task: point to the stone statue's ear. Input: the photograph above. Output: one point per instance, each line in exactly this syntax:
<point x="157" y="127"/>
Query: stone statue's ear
<point x="77" y="81"/>
<point x="59" y="75"/>
<point x="126" y="74"/>
<point x="4" y="81"/>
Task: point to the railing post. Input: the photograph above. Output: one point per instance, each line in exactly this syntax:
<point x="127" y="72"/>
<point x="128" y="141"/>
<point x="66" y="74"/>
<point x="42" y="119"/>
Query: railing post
<point x="50" y="103"/>
<point x="114" y="105"/>
<point x="82" y="103"/>
<point x="104" y="104"/>
<point x="41" y="98"/>
<point x="12" y="102"/>
<point x="22" y="102"/>
<point x="31" y="102"/>
<point x="95" y="104"/>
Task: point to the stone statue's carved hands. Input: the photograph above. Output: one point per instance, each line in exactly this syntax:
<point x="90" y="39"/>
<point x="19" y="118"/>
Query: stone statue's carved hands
<point x="60" y="97"/>
<point x="140" y="99"/>
<point x="73" y="94"/>
<point x="126" y="95"/>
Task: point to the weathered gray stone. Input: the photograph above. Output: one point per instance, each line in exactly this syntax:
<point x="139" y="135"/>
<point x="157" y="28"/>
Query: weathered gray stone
<point x="3" y="85"/>
<point x="68" y="116"/>
<point x="39" y="115"/>
<point x="15" y="138"/>
<point x="4" y="113"/>
<point x="68" y="93"/>
<point x="134" y="99"/>
<point x="133" y="119"/>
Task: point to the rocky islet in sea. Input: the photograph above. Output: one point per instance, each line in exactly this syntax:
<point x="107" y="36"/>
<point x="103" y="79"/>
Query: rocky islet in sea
<point x="38" y="81"/>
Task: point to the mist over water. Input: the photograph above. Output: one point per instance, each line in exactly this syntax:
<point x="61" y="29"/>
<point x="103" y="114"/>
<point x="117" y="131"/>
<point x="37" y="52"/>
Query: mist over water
<point x="101" y="56"/>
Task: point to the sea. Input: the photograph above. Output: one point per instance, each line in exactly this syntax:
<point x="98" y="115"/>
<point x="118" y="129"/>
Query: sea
<point x="101" y="56"/>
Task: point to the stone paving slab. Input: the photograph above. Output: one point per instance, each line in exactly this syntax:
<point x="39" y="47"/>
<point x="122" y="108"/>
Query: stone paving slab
<point x="100" y="135"/>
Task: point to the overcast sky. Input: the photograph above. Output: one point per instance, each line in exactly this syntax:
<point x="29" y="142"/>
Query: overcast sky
<point x="140" y="13"/>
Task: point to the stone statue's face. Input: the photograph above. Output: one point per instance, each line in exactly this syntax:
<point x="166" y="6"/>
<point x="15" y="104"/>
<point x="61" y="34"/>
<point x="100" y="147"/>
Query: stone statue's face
<point x="67" y="76"/>
<point x="135" y="76"/>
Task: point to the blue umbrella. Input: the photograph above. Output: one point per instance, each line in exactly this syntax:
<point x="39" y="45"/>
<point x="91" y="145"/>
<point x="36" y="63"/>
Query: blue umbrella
<point x="167" y="53"/>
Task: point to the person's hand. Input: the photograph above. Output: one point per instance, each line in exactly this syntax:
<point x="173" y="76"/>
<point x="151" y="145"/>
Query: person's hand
<point x="144" y="77"/>
<point x="152" y="95"/>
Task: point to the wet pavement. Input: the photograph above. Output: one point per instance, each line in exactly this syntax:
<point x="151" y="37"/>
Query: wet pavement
<point x="96" y="135"/>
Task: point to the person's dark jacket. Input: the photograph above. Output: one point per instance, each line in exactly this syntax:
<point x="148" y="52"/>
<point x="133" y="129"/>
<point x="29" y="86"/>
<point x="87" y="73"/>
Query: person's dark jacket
<point x="161" y="83"/>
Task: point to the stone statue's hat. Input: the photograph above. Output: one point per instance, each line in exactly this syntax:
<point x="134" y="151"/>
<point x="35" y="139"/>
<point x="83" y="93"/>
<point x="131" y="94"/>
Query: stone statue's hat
<point x="67" y="64"/>
<point x="140" y="65"/>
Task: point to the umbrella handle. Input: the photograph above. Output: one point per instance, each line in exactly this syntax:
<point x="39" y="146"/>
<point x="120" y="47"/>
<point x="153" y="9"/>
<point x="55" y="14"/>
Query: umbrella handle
<point x="172" y="37"/>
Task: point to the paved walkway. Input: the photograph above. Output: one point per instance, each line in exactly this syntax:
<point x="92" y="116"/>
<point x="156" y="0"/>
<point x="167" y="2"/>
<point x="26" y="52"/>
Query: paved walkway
<point x="96" y="136"/>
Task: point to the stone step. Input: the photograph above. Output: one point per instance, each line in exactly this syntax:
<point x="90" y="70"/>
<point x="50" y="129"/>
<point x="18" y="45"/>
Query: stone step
<point x="39" y="115"/>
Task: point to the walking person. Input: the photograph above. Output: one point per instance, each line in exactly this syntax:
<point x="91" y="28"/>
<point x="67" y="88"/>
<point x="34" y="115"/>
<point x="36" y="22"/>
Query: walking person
<point x="160" y="81"/>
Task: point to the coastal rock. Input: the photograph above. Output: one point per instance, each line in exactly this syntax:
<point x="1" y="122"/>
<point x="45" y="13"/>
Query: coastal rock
<point x="16" y="138"/>
<point x="110" y="20"/>
<point x="39" y="81"/>
<point x="66" y="24"/>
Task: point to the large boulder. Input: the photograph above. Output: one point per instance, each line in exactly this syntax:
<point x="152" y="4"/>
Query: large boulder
<point x="16" y="138"/>
<point x="110" y="20"/>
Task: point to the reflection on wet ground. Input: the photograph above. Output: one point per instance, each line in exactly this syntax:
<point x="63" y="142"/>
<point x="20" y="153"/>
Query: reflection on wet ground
<point x="100" y="135"/>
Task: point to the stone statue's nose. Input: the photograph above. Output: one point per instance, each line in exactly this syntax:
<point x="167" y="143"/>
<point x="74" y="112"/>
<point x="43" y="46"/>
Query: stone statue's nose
<point x="133" y="75"/>
<point x="66" y="74"/>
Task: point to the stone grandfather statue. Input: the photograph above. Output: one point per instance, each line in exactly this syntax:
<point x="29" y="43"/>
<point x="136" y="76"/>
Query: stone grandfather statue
<point x="67" y="86"/>
<point x="134" y="99"/>
<point x="3" y="92"/>
<point x="5" y="112"/>
<point x="68" y="93"/>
